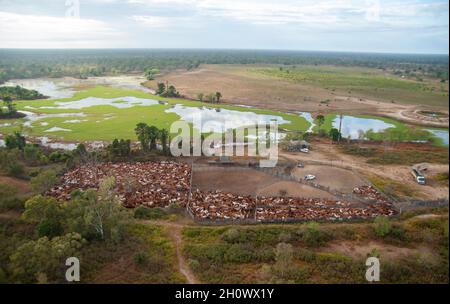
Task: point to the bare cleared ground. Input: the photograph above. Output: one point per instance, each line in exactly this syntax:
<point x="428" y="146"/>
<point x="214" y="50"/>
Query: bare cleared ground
<point x="251" y="182"/>
<point x="22" y="187"/>
<point x="330" y="156"/>
<point x="241" y="87"/>
<point x="333" y="177"/>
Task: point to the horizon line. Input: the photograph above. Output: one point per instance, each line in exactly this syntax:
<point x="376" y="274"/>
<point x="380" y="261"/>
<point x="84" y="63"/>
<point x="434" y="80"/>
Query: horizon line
<point x="234" y="49"/>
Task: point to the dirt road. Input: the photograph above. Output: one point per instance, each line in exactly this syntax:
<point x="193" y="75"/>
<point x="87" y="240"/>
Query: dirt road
<point x="174" y="231"/>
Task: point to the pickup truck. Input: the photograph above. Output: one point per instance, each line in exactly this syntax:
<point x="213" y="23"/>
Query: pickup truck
<point x="420" y="179"/>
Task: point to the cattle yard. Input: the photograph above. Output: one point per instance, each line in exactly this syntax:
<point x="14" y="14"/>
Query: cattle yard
<point x="169" y="183"/>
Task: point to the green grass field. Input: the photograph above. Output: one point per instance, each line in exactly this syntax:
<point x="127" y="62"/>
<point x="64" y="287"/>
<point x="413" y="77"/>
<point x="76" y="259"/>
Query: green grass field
<point x="122" y="125"/>
<point x="400" y="132"/>
<point x="107" y="122"/>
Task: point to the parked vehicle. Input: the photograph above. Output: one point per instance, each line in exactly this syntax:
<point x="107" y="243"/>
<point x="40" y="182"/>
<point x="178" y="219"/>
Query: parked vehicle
<point x="310" y="177"/>
<point x="420" y="179"/>
<point x="301" y="166"/>
<point x="304" y="150"/>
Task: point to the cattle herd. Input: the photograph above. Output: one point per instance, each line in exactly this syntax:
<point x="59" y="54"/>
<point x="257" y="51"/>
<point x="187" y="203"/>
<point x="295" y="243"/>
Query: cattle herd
<point x="161" y="184"/>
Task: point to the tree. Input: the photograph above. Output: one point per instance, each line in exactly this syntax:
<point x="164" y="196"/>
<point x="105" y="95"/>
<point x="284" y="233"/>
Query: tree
<point x="119" y="148"/>
<point x="150" y="73"/>
<point x="153" y="134"/>
<point x="200" y="96"/>
<point x="218" y="96"/>
<point x="161" y="88"/>
<point x="164" y="136"/>
<point x="15" y="141"/>
<point x="98" y="214"/>
<point x="44" y="258"/>
<point x="9" y="104"/>
<point x="211" y="98"/>
<point x="320" y="121"/>
<point x="335" y="135"/>
<point x="171" y="92"/>
<point x="39" y="208"/>
<point x="142" y="134"/>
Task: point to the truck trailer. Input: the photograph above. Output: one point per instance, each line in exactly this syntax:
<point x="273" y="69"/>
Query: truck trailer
<point x="418" y="176"/>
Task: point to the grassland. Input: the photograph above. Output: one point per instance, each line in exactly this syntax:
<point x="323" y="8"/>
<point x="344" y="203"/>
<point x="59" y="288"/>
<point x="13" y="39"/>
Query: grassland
<point x="108" y="122"/>
<point x="99" y="127"/>
<point x="365" y="83"/>
<point x="398" y="156"/>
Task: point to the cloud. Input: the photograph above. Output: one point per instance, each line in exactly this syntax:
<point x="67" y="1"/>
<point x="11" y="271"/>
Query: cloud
<point x="32" y="31"/>
<point x="318" y="13"/>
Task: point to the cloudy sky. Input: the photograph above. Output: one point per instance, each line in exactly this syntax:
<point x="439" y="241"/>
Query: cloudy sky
<point x="399" y="26"/>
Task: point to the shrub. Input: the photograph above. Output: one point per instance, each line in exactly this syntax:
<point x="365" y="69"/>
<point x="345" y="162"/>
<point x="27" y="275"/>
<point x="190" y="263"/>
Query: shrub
<point x="314" y="236"/>
<point x="58" y="156"/>
<point x="16" y="169"/>
<point x="141" y="258"/>
<point x="231" y="236"/>
<point x="194" y="264"/>
<point x="239" y="253"/>
<point x="145" y="213"/>
<point x="284" y="256"/>
<point x="305" y="255"/>
<point x="32" y="153"/>
<point x="44" y="181"/>
<point x="50" y="228"/>
<point x="382" y="226"/>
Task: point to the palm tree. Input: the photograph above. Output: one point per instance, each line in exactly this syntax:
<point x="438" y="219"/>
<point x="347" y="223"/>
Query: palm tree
<point x="218" y="96"/>
<point x="320" y="120"/>
<point x="164" y="136"/>
<point x="153" y="134"/>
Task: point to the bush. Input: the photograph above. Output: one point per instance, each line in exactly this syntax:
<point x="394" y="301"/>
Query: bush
<point x="145" y="213"/>
<point x="382" y="226"/>
<point x="194" y="264"/>
<point x="16" y="170"/>
<point x="33" y="154"/>
<point x="141" y="258"/>
<point x="239" y="253"/>
<point x="50" y="228"/>
<point x="58" y="156"/>
<point x="231" y="236"/>
<point x="44" y="181"/>
<point x="314" y="236"/>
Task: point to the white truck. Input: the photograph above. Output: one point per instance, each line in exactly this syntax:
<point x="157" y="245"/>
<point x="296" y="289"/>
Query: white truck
<point x="420" y="179"/>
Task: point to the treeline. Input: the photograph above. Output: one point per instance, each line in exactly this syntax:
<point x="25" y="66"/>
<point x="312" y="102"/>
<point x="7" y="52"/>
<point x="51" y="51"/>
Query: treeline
<point x="19" y="93"/>
<point x="87" y="63"/>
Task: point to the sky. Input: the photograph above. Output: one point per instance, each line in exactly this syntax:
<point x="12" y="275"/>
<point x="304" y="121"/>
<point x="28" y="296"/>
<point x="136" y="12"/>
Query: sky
<point x="388" y="26"/>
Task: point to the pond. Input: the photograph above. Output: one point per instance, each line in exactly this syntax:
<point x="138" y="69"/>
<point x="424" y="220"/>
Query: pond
<point x="220" y="120"/>
<point x="33" y="117"/>
<point x="441" y="134"/>
<point x="66" y="87"/>
<point x="119" y="103"/>
<point x="353" y="126"/>
<point x="53" y="88"/>
<point x="310" y="119"/>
